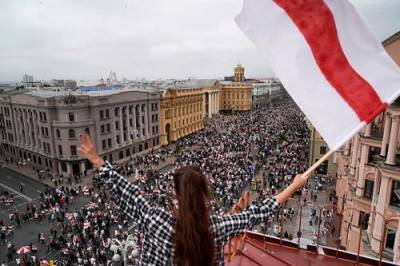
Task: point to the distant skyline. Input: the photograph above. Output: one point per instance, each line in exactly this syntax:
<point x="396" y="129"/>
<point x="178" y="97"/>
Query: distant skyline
<point x="152" y="39"/>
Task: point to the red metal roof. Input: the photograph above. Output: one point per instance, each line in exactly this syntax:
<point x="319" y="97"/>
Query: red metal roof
<point x="256" y="249"/>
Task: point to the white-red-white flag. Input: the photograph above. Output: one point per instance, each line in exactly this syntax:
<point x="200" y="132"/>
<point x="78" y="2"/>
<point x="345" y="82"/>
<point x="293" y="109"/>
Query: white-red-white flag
<point x="327" y="59"/>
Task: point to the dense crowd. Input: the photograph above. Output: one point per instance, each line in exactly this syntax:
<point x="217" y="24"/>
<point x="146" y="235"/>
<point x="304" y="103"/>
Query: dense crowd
<point x="230" y="150"/>
<point x="79" y="236"/>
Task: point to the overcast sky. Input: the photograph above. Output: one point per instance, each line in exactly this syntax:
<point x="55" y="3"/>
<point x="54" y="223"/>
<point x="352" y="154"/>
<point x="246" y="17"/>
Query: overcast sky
<point x="85" y="39"/>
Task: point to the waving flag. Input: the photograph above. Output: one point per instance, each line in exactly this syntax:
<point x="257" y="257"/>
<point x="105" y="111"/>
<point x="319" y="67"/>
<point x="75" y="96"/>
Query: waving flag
<point x="327" y="59"/>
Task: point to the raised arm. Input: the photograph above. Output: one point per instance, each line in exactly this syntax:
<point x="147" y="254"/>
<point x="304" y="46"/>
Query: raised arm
<point x="126" y="195"/>
<point x="297" y="183"/>
<point x="233" y="225"/>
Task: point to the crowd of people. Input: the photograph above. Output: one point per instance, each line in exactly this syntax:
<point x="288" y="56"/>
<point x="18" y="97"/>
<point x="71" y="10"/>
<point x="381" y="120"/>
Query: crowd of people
<point x="79" y="236"/>
<point x="232" y="151"/>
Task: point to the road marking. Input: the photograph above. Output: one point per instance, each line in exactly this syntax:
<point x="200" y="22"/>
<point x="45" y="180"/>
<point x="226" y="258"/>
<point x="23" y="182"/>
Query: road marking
<point x="16" y="192"/>
<point x="15" y="207"/>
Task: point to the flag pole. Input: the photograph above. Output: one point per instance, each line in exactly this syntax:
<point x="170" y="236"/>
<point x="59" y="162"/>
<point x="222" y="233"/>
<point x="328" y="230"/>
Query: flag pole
<point x="307" y="173"/>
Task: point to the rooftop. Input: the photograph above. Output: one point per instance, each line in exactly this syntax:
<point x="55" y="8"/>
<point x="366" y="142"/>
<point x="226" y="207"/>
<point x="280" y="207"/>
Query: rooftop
<point x="187" y="84"/>
<point x="258" y="249"/>
<point x="89" y="91"/>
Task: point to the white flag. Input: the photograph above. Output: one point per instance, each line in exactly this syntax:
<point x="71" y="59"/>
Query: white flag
<point x="329" y="62"/>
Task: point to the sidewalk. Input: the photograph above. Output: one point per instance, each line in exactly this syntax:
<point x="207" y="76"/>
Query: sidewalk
<point x="30" y="173"/>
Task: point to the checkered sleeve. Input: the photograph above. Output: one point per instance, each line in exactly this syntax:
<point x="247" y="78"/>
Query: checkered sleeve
<point x="125" y="194"/>
<point x="233" y="225"/>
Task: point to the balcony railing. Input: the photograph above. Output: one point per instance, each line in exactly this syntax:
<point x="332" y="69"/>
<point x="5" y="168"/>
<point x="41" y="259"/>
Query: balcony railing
<point x="379" y="161"/>
<point x="237" y="246"/>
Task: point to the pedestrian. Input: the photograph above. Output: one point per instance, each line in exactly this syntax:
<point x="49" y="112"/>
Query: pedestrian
<point x="192" y="193"/>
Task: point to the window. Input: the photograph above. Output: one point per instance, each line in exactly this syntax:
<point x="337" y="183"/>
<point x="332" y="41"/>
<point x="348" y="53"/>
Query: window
<point x="104" y="144"/>
<point x="368" y="189"/>
<point x="395" y="194"/>
<point x="121" y="154"/>
<point x="44" y="117"/>
<point x="71" y="134"/>
<point x="73" y="150"/>
<point x="322" y="150"/>
<point x="117" y="125"/>
<point x="118" y="140"/>
<point x="102" y="129"/>
<point x="390" y="237"/>
<point x="101" y="114"/>
<point x="107" y="113"/>
<point x="116" y="111"/>
<point x="108" y="128"/>
<point x="64" y="166"/>
<point x="109" y="143"/>
<point x="60" y="151"/>
<point x="58" y="134"/>
<point x="363" y="220"/>
<point x="47" y="132"/>
<point x="71" y="117"/>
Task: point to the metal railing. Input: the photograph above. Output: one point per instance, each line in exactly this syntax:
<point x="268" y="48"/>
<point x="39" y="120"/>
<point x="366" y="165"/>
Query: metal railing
<point x="235" y="243"/>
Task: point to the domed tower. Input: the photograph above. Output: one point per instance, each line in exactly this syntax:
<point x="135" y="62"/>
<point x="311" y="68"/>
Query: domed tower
<point x="239" y="73"/>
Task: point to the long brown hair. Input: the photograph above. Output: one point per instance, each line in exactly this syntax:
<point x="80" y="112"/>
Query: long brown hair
<point x="193" y="239"/>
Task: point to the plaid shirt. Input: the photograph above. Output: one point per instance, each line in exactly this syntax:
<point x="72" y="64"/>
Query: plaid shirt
<point x="158" y="225"/>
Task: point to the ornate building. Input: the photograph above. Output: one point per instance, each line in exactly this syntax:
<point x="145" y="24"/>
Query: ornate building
<point x="43" y="127"/>
<point x="318" y="148"/>
<point x="368" y="185"/>
<point x="237" y="94"/>
<point x="184" y="106"/>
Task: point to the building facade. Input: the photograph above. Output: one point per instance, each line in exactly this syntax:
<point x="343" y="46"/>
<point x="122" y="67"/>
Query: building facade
<point x="318" y="148"/>
<point x="43" y="127"/>
<point x="236" y="95"/>
<point x="185" y="105"/>
<point x="368" y="185"/>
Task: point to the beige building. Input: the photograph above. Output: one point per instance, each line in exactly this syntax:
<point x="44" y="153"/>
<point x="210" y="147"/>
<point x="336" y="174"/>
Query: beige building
<point x="184" y="106"/>
<point x="318" y="148"/>
<point x="43" y="127"/>
<point x="368" y="185"/>
<point x="236" y="95"/>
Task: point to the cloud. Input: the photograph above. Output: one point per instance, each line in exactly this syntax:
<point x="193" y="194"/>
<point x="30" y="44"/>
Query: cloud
<point x="85" y="39"/>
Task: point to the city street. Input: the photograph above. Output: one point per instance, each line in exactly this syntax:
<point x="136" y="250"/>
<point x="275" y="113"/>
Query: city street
<point x="28" y="233"/>
<point x="11" y="181"/>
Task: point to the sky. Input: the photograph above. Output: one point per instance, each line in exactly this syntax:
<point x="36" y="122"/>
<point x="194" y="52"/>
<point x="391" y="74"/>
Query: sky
<point x="152" y="39"/>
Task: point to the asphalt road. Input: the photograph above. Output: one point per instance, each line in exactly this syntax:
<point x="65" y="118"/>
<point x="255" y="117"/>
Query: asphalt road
<point x="10" y="181"/>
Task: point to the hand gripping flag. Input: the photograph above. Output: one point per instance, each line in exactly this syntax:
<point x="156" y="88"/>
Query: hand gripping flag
<point x="329" y="62"/>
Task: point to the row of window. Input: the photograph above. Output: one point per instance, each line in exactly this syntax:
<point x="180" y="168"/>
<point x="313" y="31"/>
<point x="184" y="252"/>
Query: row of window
<point x="189" y="109"/>
<point x="141" y="147"/>
<point x="33" y="114"/>
<point x="238" y="96"/>
<point x="46" y="147"/>
<point x="192" y="120"/>
<point x="394" y="193"/>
